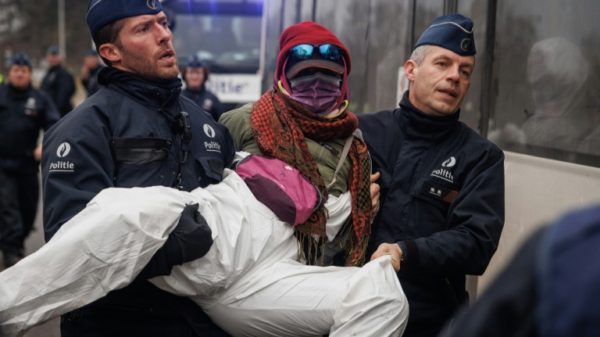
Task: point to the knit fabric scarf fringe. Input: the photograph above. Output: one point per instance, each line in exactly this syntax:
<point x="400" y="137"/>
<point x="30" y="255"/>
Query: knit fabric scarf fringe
<point x="279" y="125"/>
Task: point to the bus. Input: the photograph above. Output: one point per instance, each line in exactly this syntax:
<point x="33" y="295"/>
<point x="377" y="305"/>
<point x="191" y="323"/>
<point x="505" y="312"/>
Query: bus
<point x="229" y="37"/>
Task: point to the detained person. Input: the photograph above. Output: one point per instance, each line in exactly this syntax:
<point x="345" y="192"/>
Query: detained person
<point x="304" y="121"/>
<point x="253" y="281"/>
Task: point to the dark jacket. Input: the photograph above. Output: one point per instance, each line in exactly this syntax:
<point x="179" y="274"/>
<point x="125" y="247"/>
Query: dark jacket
<point x="206" y="100"/>
<point x="58" y="83"/>
<point x="549" y="288"/>
<point x="91" y="83"/>
<point x="23" y="113"/>
<point x="131" y="133"/>
<point x="442" y="202"/>
<point x="508" y="305"/>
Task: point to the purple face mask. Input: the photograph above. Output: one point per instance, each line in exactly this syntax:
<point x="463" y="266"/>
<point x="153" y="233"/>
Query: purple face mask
<point x="317" y="91"/>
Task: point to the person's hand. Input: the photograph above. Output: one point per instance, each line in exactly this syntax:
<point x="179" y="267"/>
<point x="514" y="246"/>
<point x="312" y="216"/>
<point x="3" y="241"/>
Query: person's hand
<point x="375" y="193"/>
<point x="392" y="249"/>
<point x="37" y="153"/>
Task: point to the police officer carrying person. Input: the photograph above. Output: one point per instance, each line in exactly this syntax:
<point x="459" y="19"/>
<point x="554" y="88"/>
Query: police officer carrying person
<point x="89" y="71"/>
<point x="23" y="112"/>
<point x="58" y="82"/>
<point x="442" y="184"/>
<point x="136" y="130"/>
<point x="195" y="76"/>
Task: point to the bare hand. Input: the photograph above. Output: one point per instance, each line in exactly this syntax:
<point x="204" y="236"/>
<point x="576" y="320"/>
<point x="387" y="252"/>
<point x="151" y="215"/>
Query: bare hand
<point x="375" y="193"/>
<point x="37" y="153"/>
<point x="391" y="249"/>
<point x="85" y="72"/>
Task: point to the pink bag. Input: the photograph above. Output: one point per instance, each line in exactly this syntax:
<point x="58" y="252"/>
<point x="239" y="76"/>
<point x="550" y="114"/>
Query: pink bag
<point x="280" y="187"/>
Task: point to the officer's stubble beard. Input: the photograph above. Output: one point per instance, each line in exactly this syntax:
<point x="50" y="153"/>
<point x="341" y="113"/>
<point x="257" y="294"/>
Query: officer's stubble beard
<point x="147" y="66"/>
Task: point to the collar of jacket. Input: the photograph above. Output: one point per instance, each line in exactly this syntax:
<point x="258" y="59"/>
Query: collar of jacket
<point x="18" y="94"/>
<point x="7" y="91"/>
<point x="156" y="93"/>
<point x="419" y="125"/>
<point x="196" y="91"/>
<point x="96" y="69"/>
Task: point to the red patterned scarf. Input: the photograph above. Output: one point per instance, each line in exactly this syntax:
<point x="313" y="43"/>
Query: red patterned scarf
<point x="279" y="125"/>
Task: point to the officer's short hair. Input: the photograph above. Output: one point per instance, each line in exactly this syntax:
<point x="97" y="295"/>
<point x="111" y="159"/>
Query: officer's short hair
<point x="418" y="55"/>
<point x="108" y="34"/>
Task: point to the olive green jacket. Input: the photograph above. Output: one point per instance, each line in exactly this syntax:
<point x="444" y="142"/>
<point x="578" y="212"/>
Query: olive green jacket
<point x="326" y="154"/>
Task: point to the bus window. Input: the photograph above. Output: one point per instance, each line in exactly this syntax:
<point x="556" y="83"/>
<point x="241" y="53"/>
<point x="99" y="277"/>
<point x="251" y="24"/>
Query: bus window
<point x="546" y="80"/>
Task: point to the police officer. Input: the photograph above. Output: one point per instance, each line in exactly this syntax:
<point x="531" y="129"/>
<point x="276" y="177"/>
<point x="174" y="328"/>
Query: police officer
<point x="442" y="184"/>
<point x="195" y="76"/>
<point x="23" y="112"/>
<point x="89" y="71"/>
<point x="58" y="82"/>
<point x="135" y="131"/>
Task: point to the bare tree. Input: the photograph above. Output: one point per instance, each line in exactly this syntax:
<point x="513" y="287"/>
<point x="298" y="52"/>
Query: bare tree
<point x="31" y="26"/>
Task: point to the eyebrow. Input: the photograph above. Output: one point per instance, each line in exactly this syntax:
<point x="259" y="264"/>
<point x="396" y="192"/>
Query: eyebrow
<point x="158" y="18"/>
<point x="440" y="57"/>
<point x="467" y="65"/>
<point x="460" y="63"/>
<point x="142" y="23"/>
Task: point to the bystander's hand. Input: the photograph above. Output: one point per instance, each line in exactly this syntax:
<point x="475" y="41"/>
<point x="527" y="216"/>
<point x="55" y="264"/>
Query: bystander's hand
<point x="391" y="249"/>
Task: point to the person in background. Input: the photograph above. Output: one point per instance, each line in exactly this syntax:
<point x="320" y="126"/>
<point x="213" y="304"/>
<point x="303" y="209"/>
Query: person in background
<point x="550" y="288"/>
<point x="442" y="184"/>
<point x="136" y="130"/>
<point x="58" y="82"/>
<point x="195" y="75"/>
<point x="24" y="111"/>
<point x="566" y="107"/>
<point x="558" y="72"/>
<point x="89" y="71"/>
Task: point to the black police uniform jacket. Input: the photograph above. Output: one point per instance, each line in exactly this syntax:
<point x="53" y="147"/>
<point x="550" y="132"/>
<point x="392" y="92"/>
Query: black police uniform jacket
<point x="207" y="100"/>
<point x="442" y="202"/>
<point x="91" y="83"/>
<point x="23" y="113"/>
<point x="59" y="84"/>
<point x="131" y="133"/>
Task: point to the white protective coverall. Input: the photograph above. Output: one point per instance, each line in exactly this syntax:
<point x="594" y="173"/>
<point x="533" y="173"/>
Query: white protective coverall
<point x="249" y="282"/>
